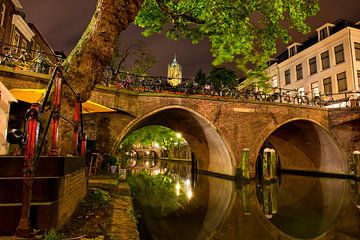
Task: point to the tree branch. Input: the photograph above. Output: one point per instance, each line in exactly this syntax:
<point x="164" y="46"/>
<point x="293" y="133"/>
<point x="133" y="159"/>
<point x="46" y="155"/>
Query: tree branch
<point x="176" y="16"/>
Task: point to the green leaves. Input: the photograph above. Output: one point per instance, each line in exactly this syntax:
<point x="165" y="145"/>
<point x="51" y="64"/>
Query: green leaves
<point x="243" y="31"/>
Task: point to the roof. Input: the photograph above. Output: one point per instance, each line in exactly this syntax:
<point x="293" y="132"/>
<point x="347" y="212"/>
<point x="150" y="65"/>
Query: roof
<point x="313" y="38"/>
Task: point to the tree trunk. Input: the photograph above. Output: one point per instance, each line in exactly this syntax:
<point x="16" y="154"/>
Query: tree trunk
<point x="84" y="67"/>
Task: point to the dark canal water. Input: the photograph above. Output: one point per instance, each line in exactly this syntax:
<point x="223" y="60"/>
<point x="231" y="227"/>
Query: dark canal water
<point x="294" y="207"/>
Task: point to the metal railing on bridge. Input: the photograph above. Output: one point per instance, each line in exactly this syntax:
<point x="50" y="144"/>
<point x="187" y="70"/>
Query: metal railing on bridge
<point x="148" y="84"/>
<point x="27" y="59"/>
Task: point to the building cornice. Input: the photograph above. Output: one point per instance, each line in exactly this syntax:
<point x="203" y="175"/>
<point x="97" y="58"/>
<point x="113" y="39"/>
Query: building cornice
<point x="17" y="4"/>
<point x="23" y="27"/>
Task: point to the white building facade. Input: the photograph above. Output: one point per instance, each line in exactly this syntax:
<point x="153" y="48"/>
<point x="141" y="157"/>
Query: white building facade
<point x="327" y="64"/>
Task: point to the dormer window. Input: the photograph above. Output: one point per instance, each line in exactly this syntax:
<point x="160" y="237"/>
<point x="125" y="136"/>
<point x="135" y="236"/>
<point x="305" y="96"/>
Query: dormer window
<point x="293" y="49"/>
<point x="324" y="31"/>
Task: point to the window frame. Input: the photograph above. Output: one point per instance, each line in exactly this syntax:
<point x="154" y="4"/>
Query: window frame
<point x="299" y="71"/>
<point x="325" y="59"/>
<point x="357" y="50"/>
<point x="327" y="86"/>
<point x="341" y="79"/>
<point x="287" y="74"/>
<point x="338" y="53"/>
<point x="312" y="62"/>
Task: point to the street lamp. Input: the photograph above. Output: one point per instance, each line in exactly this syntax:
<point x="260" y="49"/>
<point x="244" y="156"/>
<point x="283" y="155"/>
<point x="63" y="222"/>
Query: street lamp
<point x="178" y="136"/>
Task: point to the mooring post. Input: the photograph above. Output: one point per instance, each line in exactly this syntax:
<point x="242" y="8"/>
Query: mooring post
<point x="354" y="165"/>
<point x="273" y="161"/>
<point x="245" y="194"/>
<point x="266" y="164"/>
<point x="273" y="197"/>
<point x="245" y="165"/>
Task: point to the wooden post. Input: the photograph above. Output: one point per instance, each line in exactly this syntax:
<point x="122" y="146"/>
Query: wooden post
<point x="245" y="165"/>
<point x="273" y="161"/>
<point x="245" y="194"/>
<point x="266" y="164"/>
<point x="355" y="164"/>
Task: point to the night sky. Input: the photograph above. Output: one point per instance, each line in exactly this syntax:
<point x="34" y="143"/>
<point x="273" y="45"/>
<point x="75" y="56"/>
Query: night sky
<point x="63" y="22"/>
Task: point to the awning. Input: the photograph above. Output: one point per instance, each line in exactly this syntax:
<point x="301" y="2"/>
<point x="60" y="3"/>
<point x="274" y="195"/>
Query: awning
<point x="35" y="95"/>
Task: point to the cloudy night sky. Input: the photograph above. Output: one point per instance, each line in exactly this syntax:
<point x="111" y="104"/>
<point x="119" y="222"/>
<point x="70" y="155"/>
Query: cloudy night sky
<point x="63" y="22"/>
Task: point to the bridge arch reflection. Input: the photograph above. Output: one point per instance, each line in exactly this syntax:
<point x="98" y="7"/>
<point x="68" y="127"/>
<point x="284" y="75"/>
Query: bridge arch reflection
<point x="304" y="145"/>
<point x="206" y="142"/>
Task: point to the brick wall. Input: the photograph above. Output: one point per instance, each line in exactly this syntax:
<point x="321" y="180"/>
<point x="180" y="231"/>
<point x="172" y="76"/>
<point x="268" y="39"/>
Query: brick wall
<point x="72" y="191"/>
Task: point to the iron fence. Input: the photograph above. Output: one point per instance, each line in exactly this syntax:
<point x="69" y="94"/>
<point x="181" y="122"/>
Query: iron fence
<point x="148" y="84"/>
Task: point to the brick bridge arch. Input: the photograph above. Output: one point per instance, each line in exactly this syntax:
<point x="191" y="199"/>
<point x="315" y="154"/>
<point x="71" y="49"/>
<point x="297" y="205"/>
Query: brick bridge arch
<point x="304" y="144"/>
<point x="224" y="127"/>
<point x="209" y="147"/>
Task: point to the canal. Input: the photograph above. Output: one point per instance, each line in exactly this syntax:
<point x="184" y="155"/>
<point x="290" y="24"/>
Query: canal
<point x="293" y="207"/>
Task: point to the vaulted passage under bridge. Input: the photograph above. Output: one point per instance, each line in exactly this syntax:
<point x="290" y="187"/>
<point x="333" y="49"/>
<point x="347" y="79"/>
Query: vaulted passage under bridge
<point x="218" y="129"/>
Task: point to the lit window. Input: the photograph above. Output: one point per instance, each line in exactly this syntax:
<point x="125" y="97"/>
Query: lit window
<point x="315" y="89"/>
<point x="341" y="78"/>
<point x="299" y="72"/>
<point x="339" y="54"/>
<point x="312" y="65"/>
<point x="287" y="77"/>
<point x="325" y="60"/>
<point x="327" y="86"/>
<point x="15" y="41"/>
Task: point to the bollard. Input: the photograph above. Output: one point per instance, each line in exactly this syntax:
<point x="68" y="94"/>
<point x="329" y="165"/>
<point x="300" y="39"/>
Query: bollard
<point x="245" y="166"/>
<point x="273" y="161"/>
<point x="267" y="202"/>
<point x="245" y="193"/>
<point x="273" y="197"/>
<point x="266" y="164"/>
<point x="354" y="165"/>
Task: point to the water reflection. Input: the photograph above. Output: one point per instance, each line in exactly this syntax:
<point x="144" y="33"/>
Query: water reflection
<point x="298" y="207"/>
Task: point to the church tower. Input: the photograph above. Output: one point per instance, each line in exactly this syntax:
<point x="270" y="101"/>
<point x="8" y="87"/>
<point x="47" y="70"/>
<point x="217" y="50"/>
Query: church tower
<point x="174" y="73"/>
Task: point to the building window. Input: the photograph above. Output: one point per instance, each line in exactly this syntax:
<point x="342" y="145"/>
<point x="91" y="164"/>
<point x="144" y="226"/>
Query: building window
<point x="323" y="33"/>
<point x="2" y="13"/>
<point x="15" y="41"/>
<point x="325" y="60"/>
<point x="292" y="51"/>
<point x="315" y="89"/>
<point x="299" y="72"/>
<point x="357" y="51"/>
<point x="287" y="77"/>
<point x="312" y="65"/>
<point x="327" y="86"/>
<point x="339" y="54"/>
<point x="24" y="44"/>
<point x="341" y="78"/>
<point x="358" y="78"/>
<point x="274" y="81"/>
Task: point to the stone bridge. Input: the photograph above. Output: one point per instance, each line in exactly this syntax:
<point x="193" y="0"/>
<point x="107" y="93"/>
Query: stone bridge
<point x="217" y="129"/>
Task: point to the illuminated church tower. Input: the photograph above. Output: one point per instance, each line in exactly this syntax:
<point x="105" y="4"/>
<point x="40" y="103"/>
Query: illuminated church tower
<point x="174" y="73"/>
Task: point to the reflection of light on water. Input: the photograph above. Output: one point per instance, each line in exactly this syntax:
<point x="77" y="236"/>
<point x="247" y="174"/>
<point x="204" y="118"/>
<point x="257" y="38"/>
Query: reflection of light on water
<point x="189" y="194"/>
<point x="177" y="188"/>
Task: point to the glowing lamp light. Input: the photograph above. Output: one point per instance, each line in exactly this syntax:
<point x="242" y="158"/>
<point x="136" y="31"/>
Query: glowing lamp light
<point x="178" y="135"/>
<point x="187" y="182"/>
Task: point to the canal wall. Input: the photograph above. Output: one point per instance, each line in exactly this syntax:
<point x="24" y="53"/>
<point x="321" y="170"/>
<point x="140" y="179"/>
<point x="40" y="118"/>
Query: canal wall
<point x="59" y="185"/>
